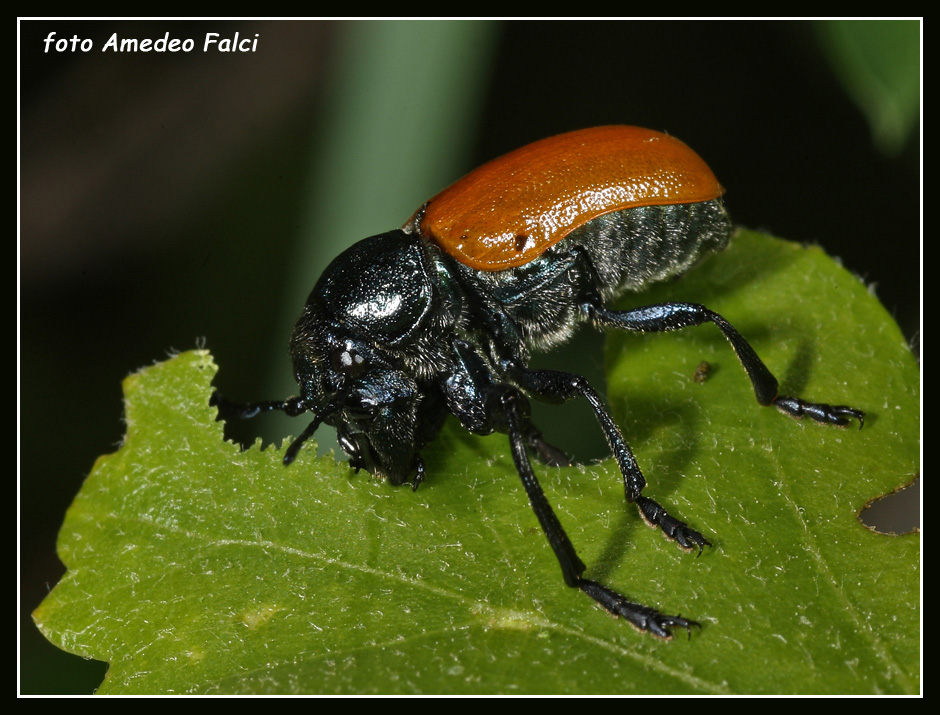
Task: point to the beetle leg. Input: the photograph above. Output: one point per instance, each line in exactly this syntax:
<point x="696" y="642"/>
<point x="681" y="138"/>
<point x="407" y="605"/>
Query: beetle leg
<point x="554" y="386"/>
<point x="419" y="473"/>
<point x="571" y="565"/>
<point x="642" y="617"/>
<point x="674" y="316"/>
<point x="471" y="396"/>
<point x="832" y="414"/>
<point x="547" y="453"/>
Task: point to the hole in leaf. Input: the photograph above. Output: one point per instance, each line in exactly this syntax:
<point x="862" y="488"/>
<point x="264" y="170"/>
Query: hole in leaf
<point x="895" y="513"/>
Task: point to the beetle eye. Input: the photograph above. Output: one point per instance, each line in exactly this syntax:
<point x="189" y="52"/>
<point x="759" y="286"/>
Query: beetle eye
<point x="347" y="361"/>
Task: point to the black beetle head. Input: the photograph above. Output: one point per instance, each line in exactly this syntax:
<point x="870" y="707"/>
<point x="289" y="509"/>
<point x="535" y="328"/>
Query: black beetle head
<point x="346" y="352"/>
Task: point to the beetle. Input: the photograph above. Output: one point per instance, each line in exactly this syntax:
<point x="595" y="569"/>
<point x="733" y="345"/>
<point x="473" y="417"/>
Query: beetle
<point x="440" y="317"/>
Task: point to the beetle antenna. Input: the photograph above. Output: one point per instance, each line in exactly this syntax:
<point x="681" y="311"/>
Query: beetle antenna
<point x="292" y="406"/>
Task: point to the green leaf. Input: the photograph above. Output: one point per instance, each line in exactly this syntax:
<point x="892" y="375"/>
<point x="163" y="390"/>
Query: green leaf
<point x="195" y="567"/>
<point x="878" y="63"/>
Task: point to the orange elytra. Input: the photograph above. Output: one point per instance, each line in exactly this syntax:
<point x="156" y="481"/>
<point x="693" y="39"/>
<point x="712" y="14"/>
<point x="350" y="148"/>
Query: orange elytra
<point x="509" y="211"/>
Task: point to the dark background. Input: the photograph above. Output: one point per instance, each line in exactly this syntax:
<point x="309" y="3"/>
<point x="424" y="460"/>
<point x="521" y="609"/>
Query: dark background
<point x="169" y="199"/>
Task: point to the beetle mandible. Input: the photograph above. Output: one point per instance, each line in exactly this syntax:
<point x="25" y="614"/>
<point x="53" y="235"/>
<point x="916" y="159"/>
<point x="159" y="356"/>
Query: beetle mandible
<point x="439" y="317"/>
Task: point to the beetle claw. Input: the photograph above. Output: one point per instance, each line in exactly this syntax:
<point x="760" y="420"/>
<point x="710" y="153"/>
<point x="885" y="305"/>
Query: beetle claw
<point x="672" y="528"/>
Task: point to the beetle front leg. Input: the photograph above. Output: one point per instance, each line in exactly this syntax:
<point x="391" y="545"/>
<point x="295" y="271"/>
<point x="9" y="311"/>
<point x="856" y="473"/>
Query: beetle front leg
<point x="642" y="617"/>
<point x="472" y="396"/>
<point x="664" y="317"/>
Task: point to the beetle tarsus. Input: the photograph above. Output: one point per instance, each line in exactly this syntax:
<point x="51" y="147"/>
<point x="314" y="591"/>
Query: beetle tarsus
<point x="840" y="415"/>
<point x="642" y="617"/>
<point x="674" y="529"/>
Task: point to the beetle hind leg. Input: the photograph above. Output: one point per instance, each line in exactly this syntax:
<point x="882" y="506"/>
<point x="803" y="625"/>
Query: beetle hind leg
<point x="665" y="317"/>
